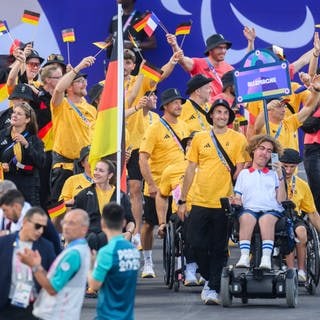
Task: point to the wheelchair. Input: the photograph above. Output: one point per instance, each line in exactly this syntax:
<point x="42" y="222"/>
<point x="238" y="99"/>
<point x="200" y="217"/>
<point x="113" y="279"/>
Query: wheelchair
<point x="253" y="282"/>
<point x="173" y="256"/>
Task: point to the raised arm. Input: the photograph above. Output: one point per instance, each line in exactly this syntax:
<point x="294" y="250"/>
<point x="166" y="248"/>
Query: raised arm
<point x="250" y="35"/>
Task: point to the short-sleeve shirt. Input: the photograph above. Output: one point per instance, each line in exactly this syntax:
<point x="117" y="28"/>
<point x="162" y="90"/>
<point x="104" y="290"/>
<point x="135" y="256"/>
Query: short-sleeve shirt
<point x="200" y="65"/>
<point x="213" y="179"/>
<point x="116" y="267"/>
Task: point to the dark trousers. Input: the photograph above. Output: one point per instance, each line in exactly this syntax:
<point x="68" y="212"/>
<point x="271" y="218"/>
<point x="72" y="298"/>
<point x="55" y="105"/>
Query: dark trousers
<point x="45" y="181"/>
<point x="312" y="166"/>
<point x="11" y="312"/>
<point x="208" y="238"/>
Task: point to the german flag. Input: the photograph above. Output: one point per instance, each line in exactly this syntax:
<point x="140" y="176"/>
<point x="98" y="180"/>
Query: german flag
<point x="106" y="144"/>
<point x="183" y="28"/>
<point x="133" y="41"/>
<point x="3" y="27"/>
<point x="57" y="209"/>
<point x="151" y="71"/>
<point x="68" y="35"/>
<point x="141" y="23"/>
<point x="30" y="17"/>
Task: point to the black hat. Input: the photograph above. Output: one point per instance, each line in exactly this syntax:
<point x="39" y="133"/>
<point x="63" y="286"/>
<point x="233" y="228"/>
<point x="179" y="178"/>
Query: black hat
<point x="227" y="80"/>
<point x="214" y="41"/>
<point x="21" y="91"/>
<point x="34" y="54"/>
<point x="169" y="95"/>
<point x="184" y="141"/>
<point x="290" y="156"/>
<point x="224" y="103"/>
<point x="79" y="75"/>
<point x="95" y="92"/>
<point x="83" y="153"/>
<point x="197" y="82"/>
<point x="56" y="58"/>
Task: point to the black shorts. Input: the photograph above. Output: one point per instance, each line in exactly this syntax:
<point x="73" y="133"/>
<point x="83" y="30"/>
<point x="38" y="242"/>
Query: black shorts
<point x="133" y="167"/>
<point x="150" y="212"/>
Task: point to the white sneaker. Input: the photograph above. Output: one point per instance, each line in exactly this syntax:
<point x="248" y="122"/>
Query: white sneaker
<point x="147" y="271"/>
<point x="302" y="276"/>
<point x="190" y="279"/>
<point x="265" y="263"/>
<point x="212" y="297"/>
<point x="201" y="281"/>
<point x="136" y="241"/>
<point x="205" y="291"/>
<point x="244" y="262"/>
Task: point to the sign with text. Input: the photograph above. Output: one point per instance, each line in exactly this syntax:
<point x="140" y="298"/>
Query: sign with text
<point x="263" y="82"/>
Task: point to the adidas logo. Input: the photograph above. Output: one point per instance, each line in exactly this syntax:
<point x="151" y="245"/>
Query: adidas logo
<point x="192" y="117"/>
<point x="89" y="193"/>
<point x="166" y="136"/>
<point x="4" y="142"/>
<point x="79" y="187"/>
<point x="207" y="145"/>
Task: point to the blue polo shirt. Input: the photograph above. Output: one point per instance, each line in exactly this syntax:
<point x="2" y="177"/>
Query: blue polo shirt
<point x="117" y="267"/>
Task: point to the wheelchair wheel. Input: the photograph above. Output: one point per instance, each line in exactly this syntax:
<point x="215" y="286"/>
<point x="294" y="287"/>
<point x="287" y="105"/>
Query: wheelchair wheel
<point x="313" y="260"/>
<point x="225" y="294"/>
<point x="167" y="256"/>
<point x="291" y="288"/>
<point x="171" y="253"/>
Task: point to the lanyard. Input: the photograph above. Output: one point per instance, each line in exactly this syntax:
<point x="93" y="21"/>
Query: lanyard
<point x="14" y="142"/>
<point x="212" y="68"/>
<point x="222" y="158"/>
<point x="276" y="136"/>
<point x="150" y="117"/>
<point x="174" y="136"/>
<point x="80" y="114"/>
<point x="202" y="125"/>
<point x="293" y="187"/>
<point x="126" y="25"/>
<point x="19" y="263"/>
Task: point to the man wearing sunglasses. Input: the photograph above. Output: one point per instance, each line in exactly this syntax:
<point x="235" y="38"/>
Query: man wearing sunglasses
<point x="15" y="277"/>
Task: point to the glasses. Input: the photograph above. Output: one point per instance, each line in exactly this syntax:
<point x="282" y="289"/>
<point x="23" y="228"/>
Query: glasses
<point x="38" y="226"/>
<point x="54" y="56"/>
<point x="83" y="80"/>
<point x="34" y="64"/>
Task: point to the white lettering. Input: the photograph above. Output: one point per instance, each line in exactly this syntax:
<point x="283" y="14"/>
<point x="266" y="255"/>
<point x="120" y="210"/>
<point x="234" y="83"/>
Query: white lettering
<point x="259" y="82"/>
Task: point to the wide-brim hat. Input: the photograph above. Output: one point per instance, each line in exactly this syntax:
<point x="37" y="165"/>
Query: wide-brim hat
<point x="197" y="82"/>
<point x="227" y="80"/>
<point x="79" y="75"/>
<point x="21" y="91"/>
<point x="56" y="58"/>
<point x="83" y="153"/>
<point x="214" y="41"/>
<point x="290" y="156"/>
<point x="224" y="103"/>
<point x="170" y="95"/>
<point x="34" y="54"/>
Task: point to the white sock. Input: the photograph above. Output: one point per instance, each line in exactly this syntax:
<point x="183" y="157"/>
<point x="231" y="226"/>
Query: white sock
<point x="245" y="247"/>
<point x="147" y="256"/>
<point x="267" y="247"/>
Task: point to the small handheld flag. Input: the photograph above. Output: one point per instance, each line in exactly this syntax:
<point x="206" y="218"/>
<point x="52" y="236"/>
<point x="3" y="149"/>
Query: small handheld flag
<point x="151" y="71"/>
<point x="30" y="17"/>
<point x="140" y="23"/>
<point x="3" y="27"/>
<point x="57" y="209"/>
<point x="68" y="35"/>
<point x="183" y="28"/>
<point x="102" y="44"/>
<point x="151" y="24"/>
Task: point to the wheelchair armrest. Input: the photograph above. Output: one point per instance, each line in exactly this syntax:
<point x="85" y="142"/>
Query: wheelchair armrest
<point x="229" y="209"/>
<point x="288" y="205"/>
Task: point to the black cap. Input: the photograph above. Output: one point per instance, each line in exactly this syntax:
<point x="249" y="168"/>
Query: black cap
<point x="22" y="91"/>
<point x="83" y="153"/>
<point x="214" y="41"/>
<point x="170" y="95"/>
<point x="56" y="58"/>
<point x="34" y="54"/>
<point x="197" y="82"/>
<point x="79" y="75"/>
<point x="224" y="103"/>
<point x="95" y="92"/>
<point x="290" y="156"/>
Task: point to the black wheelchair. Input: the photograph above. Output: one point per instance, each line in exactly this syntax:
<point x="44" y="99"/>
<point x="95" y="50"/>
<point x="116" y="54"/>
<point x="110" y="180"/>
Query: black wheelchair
<point x="173" y="256"/>
<point x="253" y="282"/>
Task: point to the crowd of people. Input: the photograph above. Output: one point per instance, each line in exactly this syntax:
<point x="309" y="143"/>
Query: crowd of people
<point x="179" y="165"/>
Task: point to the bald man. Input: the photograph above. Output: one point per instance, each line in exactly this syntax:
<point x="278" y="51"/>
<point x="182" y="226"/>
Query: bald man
<point x="63" y="287"/>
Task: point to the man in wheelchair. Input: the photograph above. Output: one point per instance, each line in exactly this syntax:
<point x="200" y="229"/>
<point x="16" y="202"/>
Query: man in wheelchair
<point x="299" y="192"/>
<point x="260" y="191"/>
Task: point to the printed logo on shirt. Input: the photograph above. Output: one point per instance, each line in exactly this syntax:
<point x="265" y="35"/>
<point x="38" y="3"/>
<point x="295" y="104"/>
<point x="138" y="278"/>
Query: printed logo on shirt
<point x="207" y="145"/>
<point x="129" y="259"/>
<point x="89" y="193"/>
<point x="4" y="142"/>
<point x="192" y="117"/>
<point x="79" y="187"/>
<point x="166" y="136"/>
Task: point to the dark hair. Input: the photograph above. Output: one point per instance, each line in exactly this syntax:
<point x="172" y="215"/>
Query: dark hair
<point x="11" y="197"/>
<point x="32" y="126"/>
<point x="113" y="216"/>
<point x="35" y="210"/>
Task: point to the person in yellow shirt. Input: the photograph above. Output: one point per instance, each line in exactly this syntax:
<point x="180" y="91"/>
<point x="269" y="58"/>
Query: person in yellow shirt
<point x="195" y="109"/>
<point x="73" y="121"/>
<point x="208" y="223"/>
<point x="161" y="146"/>
<point x="300" y="194"/>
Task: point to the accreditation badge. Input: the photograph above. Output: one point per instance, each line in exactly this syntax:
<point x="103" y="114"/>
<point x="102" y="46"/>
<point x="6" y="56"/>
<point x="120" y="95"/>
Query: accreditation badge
<point x="21" y="296"/>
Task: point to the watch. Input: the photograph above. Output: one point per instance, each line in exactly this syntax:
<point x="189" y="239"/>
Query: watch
<point x="36" y="268"/>
<point x="180" y="202"/>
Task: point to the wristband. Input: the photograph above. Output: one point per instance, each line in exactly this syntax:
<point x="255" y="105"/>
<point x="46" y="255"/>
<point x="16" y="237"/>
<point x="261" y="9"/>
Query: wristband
<point x="181" y="202"/>
<point x="36" y="268"/>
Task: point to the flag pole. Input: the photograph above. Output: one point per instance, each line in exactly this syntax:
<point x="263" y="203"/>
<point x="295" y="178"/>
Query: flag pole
<point x="182" y="41"/>
<point x="120" y="99"/>
<point x="68" y="52"/>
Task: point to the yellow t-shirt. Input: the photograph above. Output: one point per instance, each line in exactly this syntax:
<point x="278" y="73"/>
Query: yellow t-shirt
<point x="213" y="179"/>
<point x="171" y="184"/>
<point x="195" y="119"/>
<point x="299" y="192"/>
<point x="288" y="136"/>
<point x="162" y="147"/>
<point x="70" y="132"/>
<point x="104" y="197"/>
<point x="73" y="186"/>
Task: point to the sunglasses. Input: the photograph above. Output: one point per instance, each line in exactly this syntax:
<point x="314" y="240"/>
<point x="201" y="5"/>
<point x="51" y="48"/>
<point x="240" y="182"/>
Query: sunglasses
<point x="54" y="56"/>
<point x="38" y="226"/>
<point x="34" y="64"/>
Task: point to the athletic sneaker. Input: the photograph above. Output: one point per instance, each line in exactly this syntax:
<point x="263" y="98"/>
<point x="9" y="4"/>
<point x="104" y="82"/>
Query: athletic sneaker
<point x="190" y="279"/>
<point x="244" y="261"/>
<point x="212" y="297"/>
<point x="205" y="291"/>
<point x="201" y="281"/>
<point x="265" y="263"/>
<point x="302" y="277"/>
<point x="147" y="271"/>
<point x="136" y="241"/>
